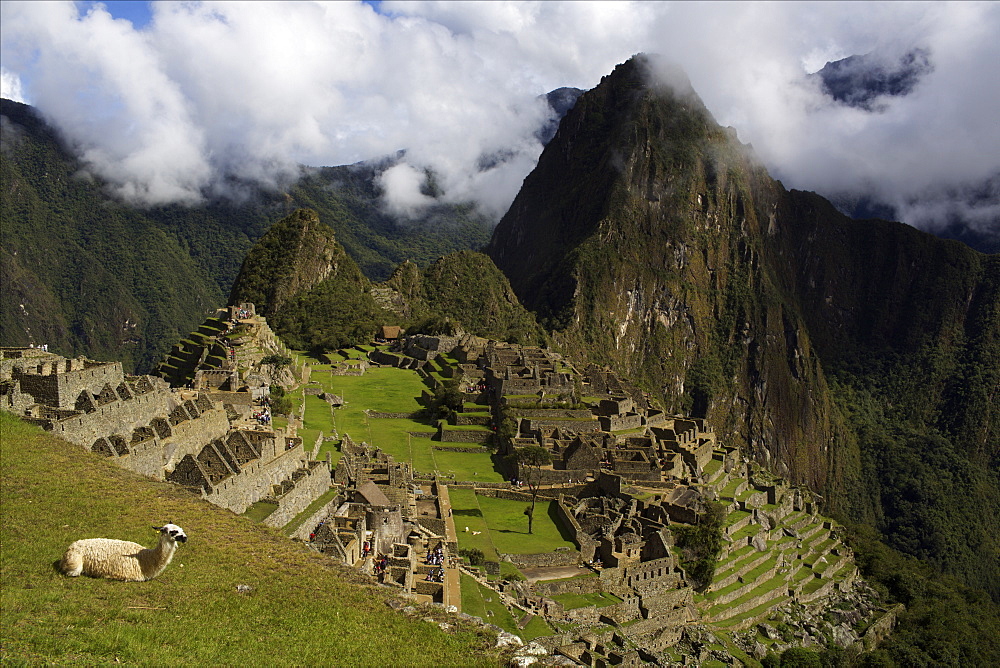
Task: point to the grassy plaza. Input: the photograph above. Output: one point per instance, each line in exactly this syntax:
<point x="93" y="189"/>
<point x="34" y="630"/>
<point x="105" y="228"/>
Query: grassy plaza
<point x="503" y="525"/>
<point x="392" y="390"/>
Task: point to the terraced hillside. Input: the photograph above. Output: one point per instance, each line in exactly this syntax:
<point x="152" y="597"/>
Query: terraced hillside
<point x="777" y="548"/>
<point x="220" y="344"/>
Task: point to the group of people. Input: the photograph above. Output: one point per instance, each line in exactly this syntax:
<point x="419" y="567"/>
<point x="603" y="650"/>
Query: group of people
<point x="435" y="557"/>
<point x="263" y="416"/>
<point x="515" y="482"/>
<point x="436" y="575"/>
<point x="381" y="563"/>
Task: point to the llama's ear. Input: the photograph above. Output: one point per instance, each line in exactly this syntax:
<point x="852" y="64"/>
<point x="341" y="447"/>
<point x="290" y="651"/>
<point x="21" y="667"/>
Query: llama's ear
<point x="158" y="528"/>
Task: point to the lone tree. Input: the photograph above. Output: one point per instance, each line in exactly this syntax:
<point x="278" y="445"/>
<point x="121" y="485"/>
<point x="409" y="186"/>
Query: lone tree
<point x="447" y="399"/>
<point x="531" y="459"/>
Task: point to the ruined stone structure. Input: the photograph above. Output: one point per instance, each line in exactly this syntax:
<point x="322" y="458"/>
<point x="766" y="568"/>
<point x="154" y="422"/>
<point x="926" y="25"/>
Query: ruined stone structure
<point x="183" y="436"/>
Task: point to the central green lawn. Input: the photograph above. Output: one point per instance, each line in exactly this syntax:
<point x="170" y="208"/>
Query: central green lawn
<point x="467" y="514"/>
<point x="391" y="390"/>
<point x="506" y="524"/>
<point x="467" y="466"/>
<point x="385" y="389"/>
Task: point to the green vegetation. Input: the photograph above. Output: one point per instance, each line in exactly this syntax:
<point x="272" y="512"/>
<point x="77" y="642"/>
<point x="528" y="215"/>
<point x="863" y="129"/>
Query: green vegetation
<point x="530" y="461"/>
<point x="116" y="282"/>
<point x="259" y="511"/>
<point x="701" y="544"/>
<point x="946" y="623"/>
<point x="501" y="525"/>
<point x="192" y="612"/>
<point x="485" y="603"/>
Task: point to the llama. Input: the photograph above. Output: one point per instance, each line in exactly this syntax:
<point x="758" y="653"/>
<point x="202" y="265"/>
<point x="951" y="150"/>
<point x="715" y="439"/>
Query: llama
<point x="122" y="559"/>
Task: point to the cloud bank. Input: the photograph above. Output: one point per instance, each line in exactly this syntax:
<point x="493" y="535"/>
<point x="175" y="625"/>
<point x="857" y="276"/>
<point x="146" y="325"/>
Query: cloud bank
<point x="216" y="92"/>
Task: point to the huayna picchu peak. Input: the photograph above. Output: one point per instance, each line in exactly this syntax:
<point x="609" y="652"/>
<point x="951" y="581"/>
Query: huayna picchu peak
<point x="672" y="413"/>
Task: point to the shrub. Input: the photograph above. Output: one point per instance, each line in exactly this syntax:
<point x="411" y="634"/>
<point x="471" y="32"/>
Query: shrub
<point x="474" y="555"/>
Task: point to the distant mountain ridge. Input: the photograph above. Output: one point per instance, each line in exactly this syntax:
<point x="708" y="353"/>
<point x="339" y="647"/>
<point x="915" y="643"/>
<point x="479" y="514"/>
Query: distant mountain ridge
<point x="87" y="274"/>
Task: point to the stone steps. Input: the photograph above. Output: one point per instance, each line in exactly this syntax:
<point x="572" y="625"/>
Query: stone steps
<point x="773" y="588"/>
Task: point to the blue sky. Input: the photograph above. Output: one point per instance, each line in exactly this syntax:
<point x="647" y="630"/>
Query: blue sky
<point x="169" y="110"/>
<point x="139" y="13"/>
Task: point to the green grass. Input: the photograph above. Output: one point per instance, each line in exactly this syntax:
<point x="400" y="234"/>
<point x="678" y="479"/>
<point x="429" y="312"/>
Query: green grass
<point x="385" y="389"/>
<point x="303" y="608"/>
<point x="474" y="602"/>
<point x="509" y="527"/>
<point x="260" y="511"/>
<point x="466" y="466"/>
<point x="318" y="503"/>
<point x="466" y="513"/>
<point x="318" y="415"/>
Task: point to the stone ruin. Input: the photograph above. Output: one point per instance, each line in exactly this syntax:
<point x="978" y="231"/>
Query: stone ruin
<point x="182" y="436"/>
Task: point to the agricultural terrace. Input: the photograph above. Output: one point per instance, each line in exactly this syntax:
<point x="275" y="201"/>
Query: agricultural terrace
<point x="392" y="390"/>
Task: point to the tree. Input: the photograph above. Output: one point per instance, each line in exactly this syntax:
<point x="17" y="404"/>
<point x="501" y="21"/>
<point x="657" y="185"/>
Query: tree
<point x="531" y="460"/>
<point x="279" y="361"/>
<point x="447" y="399"/>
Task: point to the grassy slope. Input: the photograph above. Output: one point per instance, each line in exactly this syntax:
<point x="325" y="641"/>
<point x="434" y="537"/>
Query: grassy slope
<point x="303" y="610"/>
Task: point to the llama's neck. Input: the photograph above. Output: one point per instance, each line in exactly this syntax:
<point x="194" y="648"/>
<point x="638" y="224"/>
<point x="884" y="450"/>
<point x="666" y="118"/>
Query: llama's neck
<point x="160" y="556"/>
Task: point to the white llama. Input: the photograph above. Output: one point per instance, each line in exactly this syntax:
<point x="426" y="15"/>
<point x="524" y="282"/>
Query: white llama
<point x="122" y="559"/>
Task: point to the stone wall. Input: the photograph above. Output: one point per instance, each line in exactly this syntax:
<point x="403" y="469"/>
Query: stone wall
<point x="585" y="543"/>
<point x="551" y="413"/>
<point x="307" y="489"/>
<point x="567" y="586"/>
<point x="256" y="479"/>
<point x="464" y="436"/>
<point x="558" y="558"/>
<point x="323" y="512"/>
<point x="51" y="385"/>
<point x="620" y="422"/>
<point x="535" y="425"/>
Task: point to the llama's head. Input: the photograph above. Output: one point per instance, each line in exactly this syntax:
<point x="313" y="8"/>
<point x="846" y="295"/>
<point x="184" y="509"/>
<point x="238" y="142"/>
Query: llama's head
<point x="172" y="532"/>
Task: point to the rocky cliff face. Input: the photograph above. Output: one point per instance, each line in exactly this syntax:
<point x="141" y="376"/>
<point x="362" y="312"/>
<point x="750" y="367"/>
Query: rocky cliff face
<point x="649" y="238"/>
<point x="643" y="238"/>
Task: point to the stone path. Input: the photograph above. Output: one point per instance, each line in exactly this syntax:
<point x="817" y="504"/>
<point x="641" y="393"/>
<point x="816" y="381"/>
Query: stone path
<point x="452" y="575"/>
<point x="553" y="572"/>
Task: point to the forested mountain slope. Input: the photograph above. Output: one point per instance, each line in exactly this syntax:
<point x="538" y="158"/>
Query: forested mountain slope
<point x="88" y="274"/>
<point x="316" y="297"/>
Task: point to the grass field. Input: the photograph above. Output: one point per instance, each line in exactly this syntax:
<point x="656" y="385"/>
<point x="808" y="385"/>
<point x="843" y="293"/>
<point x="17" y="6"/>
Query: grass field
<point x="391" y="390"/>
<point x="303" y="609"/>
<point x="503" y="525"/>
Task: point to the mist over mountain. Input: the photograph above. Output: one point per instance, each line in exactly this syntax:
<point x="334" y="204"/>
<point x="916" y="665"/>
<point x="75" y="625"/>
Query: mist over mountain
<point x="859" y="81"/>
<point x="192" y="105"/>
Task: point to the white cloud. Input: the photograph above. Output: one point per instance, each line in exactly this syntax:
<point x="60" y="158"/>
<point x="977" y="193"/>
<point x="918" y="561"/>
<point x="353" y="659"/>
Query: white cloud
<point x="10" y="86"/>
<point x="402" y="184"/>
<point x="250" y="90"/>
